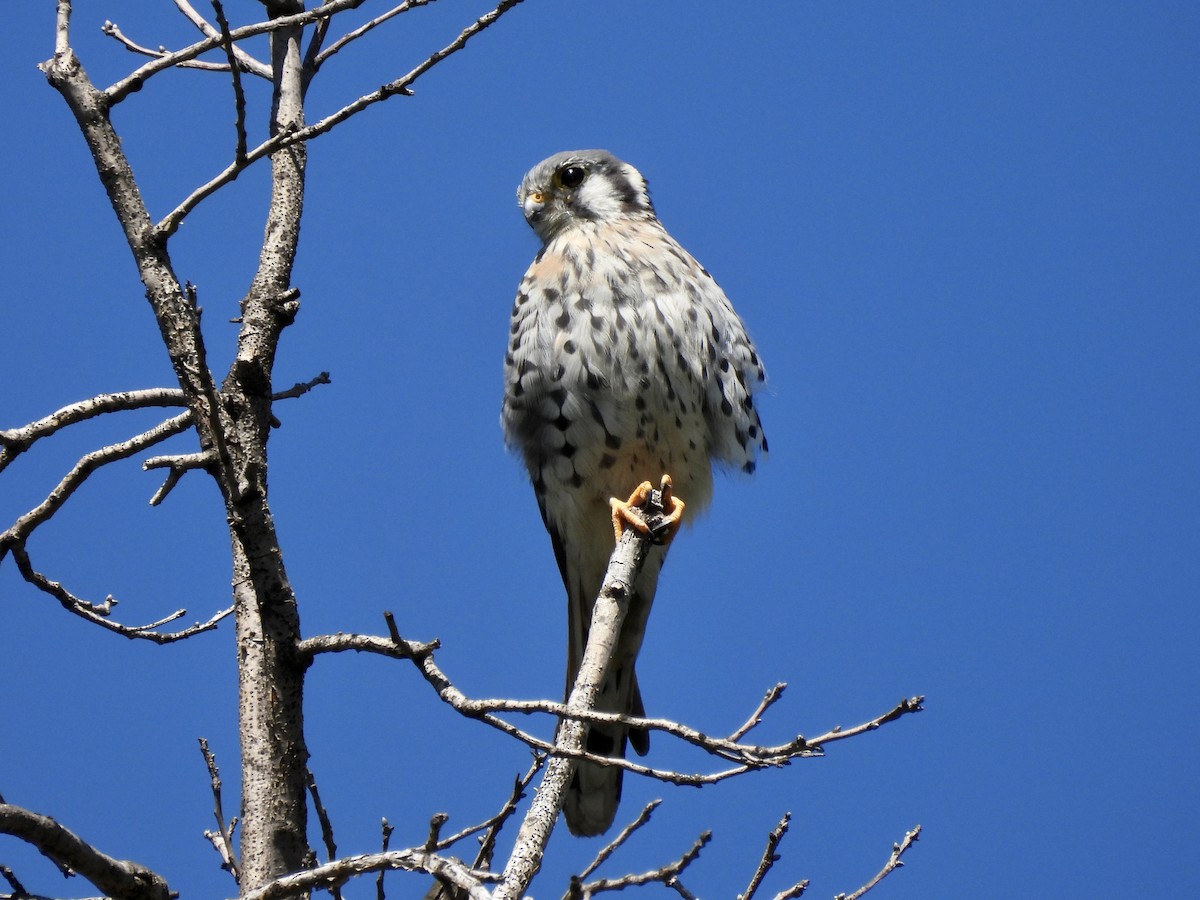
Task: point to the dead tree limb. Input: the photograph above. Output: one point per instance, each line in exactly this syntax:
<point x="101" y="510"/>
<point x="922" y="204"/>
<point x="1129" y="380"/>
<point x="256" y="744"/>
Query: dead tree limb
<point x="117" y="878"/>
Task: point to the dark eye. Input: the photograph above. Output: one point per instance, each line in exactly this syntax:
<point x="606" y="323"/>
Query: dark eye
<point x="572" y="176"/>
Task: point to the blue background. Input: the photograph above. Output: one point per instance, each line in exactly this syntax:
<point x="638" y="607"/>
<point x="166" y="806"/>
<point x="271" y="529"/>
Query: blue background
<point x="965" y="238"/>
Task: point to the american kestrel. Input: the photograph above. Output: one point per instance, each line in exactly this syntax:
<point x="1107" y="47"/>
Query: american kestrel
<point x="625" y="362"/>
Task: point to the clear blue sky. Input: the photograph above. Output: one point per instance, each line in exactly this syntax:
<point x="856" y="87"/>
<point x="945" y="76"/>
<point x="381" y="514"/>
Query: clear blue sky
<point x="965" y="237"/>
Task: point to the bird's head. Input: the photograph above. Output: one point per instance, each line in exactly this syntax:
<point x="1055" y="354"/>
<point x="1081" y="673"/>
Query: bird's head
<point x="581" y="186"/>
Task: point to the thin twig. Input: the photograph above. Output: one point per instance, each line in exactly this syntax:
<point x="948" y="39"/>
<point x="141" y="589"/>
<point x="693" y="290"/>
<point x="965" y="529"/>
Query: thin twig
<point x="15" y="441"/>
<point x="642" y="818"/>
<point x="97" y="614"/>
<point x="402" y="86"/>
<point x="748" y="757"/>
<point x="666" y="874"/>
<point x="18" y="889"/>
<point x="487" y="844"/>
<point x="755" y="719"/>
<point x="342" y="870"/>
<point x="300" y="388"/>
<point x="239" y="97"/>
<point x="134" y="81"/>
<point x="222" y="838"/>
<point x="904" y="707"/>
<point x="241" y="59"/>
<point x="678" y="887"/>
<point x="890" y="866"/>
<point x="178" y="464"/>
<point x="387" y="839"/>
<point x="319" y="58"/>
<point x="113" y="31"/>
<point x="769" y="857"/>
<point x="794" y="891"/>
<point x="326" y="827"/>
<point x="26" y="524"/>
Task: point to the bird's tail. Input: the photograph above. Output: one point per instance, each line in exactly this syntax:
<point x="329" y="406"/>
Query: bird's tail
<point x="592" y="796"/>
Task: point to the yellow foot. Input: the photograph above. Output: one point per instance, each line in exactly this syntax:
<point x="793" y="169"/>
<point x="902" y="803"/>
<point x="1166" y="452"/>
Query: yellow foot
<point x="629" y="512"/>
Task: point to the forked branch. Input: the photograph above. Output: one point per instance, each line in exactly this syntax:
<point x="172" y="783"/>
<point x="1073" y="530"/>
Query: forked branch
<point x="400" y="86"/>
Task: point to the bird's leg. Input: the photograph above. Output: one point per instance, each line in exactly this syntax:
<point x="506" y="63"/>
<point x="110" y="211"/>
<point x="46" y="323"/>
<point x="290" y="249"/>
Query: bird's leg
<point x="629" y="512"/>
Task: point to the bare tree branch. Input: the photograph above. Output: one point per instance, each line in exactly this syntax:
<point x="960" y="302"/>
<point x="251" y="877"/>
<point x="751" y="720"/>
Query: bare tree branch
<point x="666" y="874"/>
<point x="239" y="58"/>
<point x="676" y="885"/>
<point x="319" y="58"/>
<point x="97" y="613"/>
<point x="608" y="850"/>
<point x="117" y="878"/>
<point x="178" y="464"/>
<point x="113" y="31"/>
<point x="239" y="97"/>
<point x="342" y="870"/>
<point x="118" y="91"/>
<point x="15" y="441"/>
<point x="487" y="845"/>
<point x="387" y="839"/>
<point x="607" y="616"/>
<point x="795" y="890"/>
<point x="401" y="86"/>
<point x="748" y="756"/>
<point x="302" y="387"/>
<point x="903" y="708"/>
<point x="222" y="838"/>
<point x="769" y="857"/>
<point x="25" y="525"/>
<point x="755" y="719"/>
<point x="326" y="829"/>
<point x="893" y="863"/>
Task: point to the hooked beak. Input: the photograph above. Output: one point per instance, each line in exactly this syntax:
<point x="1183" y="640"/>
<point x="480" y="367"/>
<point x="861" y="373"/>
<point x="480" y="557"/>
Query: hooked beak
<point x="533" y="204"/>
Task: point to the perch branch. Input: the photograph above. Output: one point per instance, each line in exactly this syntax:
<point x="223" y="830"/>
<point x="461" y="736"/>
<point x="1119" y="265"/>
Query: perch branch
<point x="608" y="614"/>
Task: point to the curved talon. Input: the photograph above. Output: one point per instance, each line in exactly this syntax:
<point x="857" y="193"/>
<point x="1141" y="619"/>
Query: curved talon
<point x="626" y="512"/>
<point x="672" y="511"/>
<point x="629" y="512"/>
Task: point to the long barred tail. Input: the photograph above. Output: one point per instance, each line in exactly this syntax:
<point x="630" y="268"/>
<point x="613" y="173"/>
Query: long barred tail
<point x="582" y="547"/>
<point x="594" y="793"/>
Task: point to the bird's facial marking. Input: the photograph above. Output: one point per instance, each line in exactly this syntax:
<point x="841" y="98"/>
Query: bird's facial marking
<point x="582" y="186"/>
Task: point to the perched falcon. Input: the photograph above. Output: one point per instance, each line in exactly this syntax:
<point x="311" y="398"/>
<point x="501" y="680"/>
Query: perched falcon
<point x="626" y="361"/>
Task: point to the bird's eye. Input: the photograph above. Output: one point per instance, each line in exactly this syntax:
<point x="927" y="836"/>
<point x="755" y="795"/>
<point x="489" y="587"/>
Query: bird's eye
<point x="572" y="176"/>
